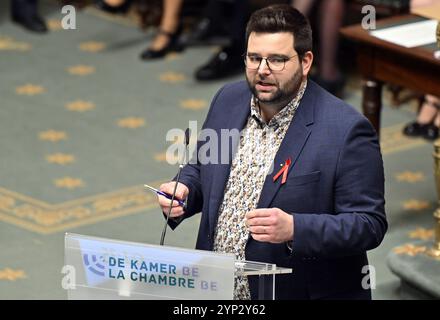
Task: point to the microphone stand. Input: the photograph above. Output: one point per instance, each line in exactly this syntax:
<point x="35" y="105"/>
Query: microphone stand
<point x="187" y="134"/>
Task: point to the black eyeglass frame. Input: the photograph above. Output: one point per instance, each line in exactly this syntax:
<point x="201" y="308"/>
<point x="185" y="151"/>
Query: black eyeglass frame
<point x="285" y="59"/>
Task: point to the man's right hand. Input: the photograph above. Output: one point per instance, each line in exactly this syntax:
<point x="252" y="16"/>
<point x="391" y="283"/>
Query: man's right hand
<point x="182" y="192"/>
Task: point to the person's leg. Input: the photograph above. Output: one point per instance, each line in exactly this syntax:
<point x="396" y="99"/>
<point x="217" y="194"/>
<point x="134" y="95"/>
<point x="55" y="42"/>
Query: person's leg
<point x="331" y="18"/>
<point x="428" y="111"/>
<point x="25" y="13"/>
<point x="169" y="24"/>
<point x="241" y="14"/>
<point x="166" y="39"/>
<point x="428" y="120"/>
<point x="303" y="6"/>
<point x="214" y="11"/>
<point x="432" y="129"/>
<point x="437" y="120"/>
<point x="332" y="14"/>
<point x="114" y="3"/>
<point x="23" y="7"/>
<point x="228" y="61"/>
<point x="210" y="25"/>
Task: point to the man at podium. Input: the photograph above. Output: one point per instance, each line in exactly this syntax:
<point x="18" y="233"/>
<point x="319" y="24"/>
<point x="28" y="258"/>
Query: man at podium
<point x="304" y="188"/>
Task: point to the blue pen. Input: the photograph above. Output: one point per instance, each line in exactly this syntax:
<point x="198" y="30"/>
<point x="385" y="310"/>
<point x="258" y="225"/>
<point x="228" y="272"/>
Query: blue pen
<point x="166" y="195"/>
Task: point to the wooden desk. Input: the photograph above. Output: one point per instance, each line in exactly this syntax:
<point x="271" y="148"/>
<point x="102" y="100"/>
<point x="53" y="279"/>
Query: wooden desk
<point x="380" y="61"/>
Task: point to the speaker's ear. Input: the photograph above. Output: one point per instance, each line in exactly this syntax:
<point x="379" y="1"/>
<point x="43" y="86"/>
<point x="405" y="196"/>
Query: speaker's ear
<point x="306" y="62"/>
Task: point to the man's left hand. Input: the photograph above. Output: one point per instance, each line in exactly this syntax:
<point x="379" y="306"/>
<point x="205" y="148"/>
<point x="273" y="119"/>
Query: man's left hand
<point x="270" y="225"/>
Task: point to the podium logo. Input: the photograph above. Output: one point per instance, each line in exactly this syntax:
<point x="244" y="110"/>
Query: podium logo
<point x="94" y="264"/>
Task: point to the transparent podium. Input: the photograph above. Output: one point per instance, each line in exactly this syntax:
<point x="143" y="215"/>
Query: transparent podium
<point x="99" y="268"/>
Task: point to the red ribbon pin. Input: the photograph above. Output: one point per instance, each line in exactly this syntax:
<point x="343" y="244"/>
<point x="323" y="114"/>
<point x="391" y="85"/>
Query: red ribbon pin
<point x="284" y="170"/>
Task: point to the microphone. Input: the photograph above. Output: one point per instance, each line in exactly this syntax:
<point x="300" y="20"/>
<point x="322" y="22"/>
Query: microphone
<point x="173" y="195"/>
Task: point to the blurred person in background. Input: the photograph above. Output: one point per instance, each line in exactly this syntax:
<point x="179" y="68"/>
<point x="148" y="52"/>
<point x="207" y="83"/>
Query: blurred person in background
<point x="166" y="39"/>
<point x="428" y="119"/>
<point x="227" y="18"/>
<point x="25" y="13"/>
<point x="331" y="15"/>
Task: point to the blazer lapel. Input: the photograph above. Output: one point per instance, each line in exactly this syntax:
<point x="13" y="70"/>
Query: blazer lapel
<point x="291" y="146"/>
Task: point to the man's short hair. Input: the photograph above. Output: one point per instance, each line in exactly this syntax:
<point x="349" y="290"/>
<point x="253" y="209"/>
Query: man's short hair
<point x="282" y="18"/>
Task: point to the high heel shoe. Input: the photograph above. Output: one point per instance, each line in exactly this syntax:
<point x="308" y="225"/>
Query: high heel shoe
<point x="173" y="45"/>
<point x="431" y="133"/>
<point x="415" y="129"/>
<point x="122" y="8"/>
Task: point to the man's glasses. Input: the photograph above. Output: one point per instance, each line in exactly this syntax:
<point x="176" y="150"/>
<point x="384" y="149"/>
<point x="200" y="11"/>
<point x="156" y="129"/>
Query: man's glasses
<point x="274" y="63"/>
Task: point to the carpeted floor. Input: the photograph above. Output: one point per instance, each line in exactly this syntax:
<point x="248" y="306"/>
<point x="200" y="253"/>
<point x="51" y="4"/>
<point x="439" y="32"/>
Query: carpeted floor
<point x="82" y="127"/>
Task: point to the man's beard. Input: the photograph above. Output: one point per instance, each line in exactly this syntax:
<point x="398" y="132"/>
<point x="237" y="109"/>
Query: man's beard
<point x="282" y="95"/>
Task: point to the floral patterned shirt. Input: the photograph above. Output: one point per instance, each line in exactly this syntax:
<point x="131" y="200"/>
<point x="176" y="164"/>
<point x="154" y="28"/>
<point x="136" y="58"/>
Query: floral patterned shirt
<point x="259" y="142"/>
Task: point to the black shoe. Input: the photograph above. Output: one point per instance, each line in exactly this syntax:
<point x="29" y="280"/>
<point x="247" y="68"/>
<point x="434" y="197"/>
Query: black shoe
<point x="122" y="8"/>
<point x="223" y="64"/>
<point x="431" y="132"/>
<point x="204" y="32"/>
<point x="415" y="129"/>
<point x="201" y="31"/>
<point x="172" y="46"/>
<point x="32" y="22"/>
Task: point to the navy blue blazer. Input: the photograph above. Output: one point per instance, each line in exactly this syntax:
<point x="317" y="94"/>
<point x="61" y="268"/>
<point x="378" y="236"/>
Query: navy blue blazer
<point x="334" y="190"/>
